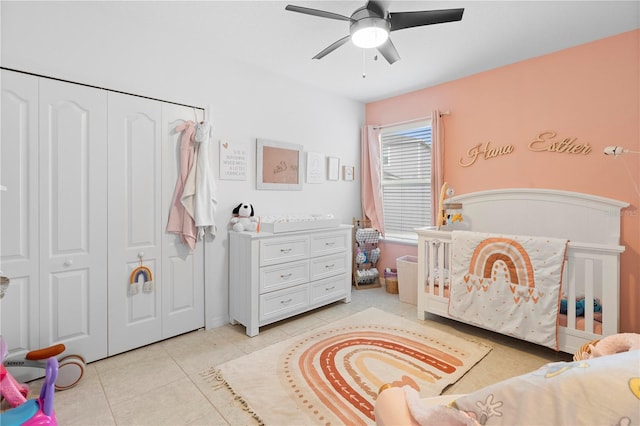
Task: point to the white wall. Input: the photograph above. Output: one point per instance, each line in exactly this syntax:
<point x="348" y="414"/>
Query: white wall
<point x="120" y="46"/>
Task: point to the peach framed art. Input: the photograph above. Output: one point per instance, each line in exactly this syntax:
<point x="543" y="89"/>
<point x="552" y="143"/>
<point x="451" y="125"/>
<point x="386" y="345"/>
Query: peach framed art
<point x="279" y="165"/>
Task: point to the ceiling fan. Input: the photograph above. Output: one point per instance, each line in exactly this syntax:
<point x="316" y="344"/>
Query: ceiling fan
<point x="371" y="24"/>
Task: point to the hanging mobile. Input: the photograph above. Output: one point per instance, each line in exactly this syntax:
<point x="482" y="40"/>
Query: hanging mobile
<point x="134" y="279"/>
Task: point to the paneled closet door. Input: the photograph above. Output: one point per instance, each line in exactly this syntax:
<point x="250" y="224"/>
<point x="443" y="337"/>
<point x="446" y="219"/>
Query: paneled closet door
<point x="73" y="217"/>
<point x="135" y="228"/>
<point x="182" y="270"/>
<point x="19" y="314"/>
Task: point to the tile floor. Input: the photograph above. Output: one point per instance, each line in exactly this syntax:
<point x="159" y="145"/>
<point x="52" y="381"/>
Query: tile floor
<point x="162" y="384"/>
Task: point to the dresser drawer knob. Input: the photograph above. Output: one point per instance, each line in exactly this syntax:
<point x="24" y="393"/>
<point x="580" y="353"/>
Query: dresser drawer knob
<point x="329" y="288"/>
<point x="333" y="265"/>
<point x="286" y="302"/>
<point x="286" y="276"/>
<point x="331" y="243"/>
<point x="285" y="251"/>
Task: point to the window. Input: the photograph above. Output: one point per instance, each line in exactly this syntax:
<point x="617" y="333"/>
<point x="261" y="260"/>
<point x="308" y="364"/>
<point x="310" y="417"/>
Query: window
<point x="406" y="178"/>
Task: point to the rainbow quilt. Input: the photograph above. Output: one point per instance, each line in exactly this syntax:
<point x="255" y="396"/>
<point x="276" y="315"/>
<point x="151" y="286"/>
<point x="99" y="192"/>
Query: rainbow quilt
<point x="508" y="283"/>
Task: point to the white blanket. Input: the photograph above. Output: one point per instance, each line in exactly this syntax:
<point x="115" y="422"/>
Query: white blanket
<point x="509" y="284"/>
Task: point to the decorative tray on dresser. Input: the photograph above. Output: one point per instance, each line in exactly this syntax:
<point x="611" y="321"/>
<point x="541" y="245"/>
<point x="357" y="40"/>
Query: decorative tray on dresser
<point x="275" y="276"/>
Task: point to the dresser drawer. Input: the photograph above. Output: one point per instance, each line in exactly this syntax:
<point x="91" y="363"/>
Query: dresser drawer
<point x="280" y="250"/>
<point x="322" y="244"/>
<point x="329" y="289"/>
<point x="281" y="303"/>
<point x="285" y="275"/>
<point x="327" y="266"/>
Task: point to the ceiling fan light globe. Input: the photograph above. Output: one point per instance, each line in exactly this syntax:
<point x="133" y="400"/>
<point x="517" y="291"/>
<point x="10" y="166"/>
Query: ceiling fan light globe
<point x="369" y="32"/>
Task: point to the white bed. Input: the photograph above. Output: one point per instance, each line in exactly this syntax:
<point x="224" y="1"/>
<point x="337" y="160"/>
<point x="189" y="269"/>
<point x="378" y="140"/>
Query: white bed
<point x="591" y="270"/>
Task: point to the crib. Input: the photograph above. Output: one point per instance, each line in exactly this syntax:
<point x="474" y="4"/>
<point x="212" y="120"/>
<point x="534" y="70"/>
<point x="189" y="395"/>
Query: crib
<point x="592" y="263"/>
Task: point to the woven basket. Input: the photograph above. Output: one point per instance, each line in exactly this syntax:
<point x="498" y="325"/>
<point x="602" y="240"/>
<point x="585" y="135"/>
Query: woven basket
<point x="391" y="284"/>
<point x="584" y="349"/>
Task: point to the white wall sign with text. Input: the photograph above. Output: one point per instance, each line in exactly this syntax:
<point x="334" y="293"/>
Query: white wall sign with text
<point x="234" y="159"/>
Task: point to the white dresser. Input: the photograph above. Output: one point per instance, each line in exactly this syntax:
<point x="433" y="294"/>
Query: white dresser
<point x="275" y="276"/>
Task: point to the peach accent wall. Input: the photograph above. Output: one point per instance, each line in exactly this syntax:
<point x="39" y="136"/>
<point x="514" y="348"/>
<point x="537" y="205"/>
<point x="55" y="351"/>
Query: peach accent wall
<point x="590" y="92"/>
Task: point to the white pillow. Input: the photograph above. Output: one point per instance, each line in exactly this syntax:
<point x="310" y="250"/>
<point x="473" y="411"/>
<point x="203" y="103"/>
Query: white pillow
<point x="597" y="391"/>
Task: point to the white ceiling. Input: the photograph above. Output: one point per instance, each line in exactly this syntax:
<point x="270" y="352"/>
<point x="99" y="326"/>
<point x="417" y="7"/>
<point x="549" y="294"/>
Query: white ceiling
<point x="261" y="33"/>
<point x="491" y="34"/>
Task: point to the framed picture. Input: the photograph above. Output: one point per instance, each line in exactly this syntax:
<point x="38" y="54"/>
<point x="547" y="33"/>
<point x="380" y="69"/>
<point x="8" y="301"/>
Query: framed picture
<point x="279" y="165"/>
<point x="347" y="172"/>
<point x="315" y="167"/>
<point x="334" y="168"/>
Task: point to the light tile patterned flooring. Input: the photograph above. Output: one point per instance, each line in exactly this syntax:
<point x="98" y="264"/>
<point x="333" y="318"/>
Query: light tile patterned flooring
<point x="161" y="384"/>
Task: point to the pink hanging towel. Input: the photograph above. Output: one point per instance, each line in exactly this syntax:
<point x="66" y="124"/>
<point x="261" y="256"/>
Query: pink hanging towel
<point x="180" y="221"/>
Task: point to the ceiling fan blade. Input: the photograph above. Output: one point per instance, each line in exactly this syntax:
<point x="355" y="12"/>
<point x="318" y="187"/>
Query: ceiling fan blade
<point x="402" y="20"/>
<point x="316" y="12"/>
<point x="389" y="51"/>
<point x="333" y="47"/>
<point x="379" y="8"/>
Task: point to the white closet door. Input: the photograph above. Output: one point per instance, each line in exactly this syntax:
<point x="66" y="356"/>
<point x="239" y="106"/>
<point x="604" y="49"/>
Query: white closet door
<point x="73" y="217"/>
<point x="182" y="270"/>
<point x="135" y="228"/>
<point x="19" y="211"/>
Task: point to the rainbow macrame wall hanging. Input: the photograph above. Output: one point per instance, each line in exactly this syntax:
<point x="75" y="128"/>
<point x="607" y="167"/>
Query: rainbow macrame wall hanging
<point x="134" y="280"/>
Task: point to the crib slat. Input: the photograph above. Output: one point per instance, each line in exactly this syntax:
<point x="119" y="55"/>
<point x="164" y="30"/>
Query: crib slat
<point x="432" y="264"/>
<point x="571" y="293"/>
<point x="441" y="269"/>
<point x="588" y="295"/>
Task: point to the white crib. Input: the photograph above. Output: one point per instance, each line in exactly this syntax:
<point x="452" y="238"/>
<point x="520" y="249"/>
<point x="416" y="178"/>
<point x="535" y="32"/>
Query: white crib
<point x="590" y="223"/>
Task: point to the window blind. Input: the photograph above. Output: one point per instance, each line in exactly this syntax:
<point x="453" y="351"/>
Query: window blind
<point x="406" y="177"/>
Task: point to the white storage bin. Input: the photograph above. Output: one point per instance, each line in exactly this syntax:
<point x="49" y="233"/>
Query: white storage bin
<point x="407" y="279"/>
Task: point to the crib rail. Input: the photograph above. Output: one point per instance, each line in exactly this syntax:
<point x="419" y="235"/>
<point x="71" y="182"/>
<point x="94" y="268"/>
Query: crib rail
<point x="591" y="272"/>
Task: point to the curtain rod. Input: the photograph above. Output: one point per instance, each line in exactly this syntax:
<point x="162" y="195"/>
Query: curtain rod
<point x="101" y="88"/>
<point x="410" y="121"/>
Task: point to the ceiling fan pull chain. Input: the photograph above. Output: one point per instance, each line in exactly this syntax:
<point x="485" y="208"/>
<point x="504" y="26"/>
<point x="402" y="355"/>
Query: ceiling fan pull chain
<point x="364" y="61"/>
